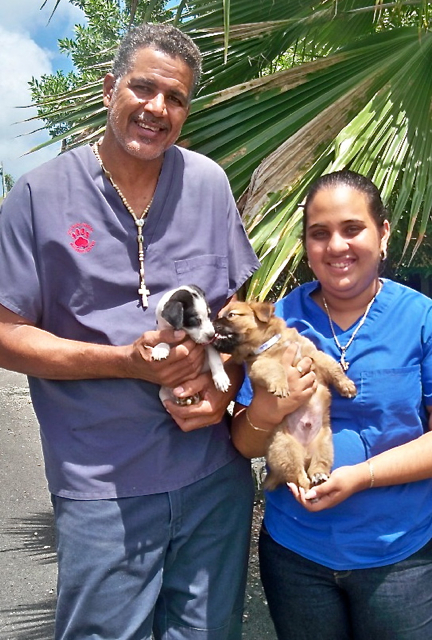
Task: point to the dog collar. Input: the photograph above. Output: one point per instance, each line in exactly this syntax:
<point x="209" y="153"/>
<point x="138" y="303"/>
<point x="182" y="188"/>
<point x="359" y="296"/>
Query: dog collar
<point x="267" y="344"/>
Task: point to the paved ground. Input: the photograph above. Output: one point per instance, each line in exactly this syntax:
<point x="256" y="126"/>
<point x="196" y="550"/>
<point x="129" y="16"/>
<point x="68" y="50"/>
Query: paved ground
<point x="27" y="556"/>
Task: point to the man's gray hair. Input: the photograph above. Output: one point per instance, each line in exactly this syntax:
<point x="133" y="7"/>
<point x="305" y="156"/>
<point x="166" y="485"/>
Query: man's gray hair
<point x="162" y="37"/>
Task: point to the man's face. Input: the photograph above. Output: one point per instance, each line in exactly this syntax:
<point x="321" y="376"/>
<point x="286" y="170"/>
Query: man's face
<point x="148" y="106"/>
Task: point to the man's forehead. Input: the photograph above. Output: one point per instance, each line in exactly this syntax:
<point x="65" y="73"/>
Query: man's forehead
<point x="148" y="63"/>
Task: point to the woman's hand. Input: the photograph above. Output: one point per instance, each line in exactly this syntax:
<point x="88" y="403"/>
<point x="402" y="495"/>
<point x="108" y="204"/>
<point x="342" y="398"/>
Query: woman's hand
<point x="266" y="407"/>
<point x="343" y="483"/>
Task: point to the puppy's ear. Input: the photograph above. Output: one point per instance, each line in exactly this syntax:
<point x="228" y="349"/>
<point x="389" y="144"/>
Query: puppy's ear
<point x="264" y="311"/>
<point x="173" y="313"/>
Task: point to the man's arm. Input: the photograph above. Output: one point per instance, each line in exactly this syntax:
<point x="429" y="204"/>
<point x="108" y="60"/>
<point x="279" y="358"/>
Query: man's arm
<point x="27" y="349"/>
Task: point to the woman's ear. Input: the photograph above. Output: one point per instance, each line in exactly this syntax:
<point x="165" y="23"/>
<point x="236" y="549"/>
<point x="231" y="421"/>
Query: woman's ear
<point x="385" y="235"/>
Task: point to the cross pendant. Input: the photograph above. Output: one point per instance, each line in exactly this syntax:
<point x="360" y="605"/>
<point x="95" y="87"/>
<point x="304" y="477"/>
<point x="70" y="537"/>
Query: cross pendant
<point x="144" y="292"/>
<point x="343" y="363"/>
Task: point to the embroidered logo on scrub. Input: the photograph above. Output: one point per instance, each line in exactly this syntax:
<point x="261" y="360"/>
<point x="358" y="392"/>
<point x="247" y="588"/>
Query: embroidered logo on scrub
<point x="80" y="234"/>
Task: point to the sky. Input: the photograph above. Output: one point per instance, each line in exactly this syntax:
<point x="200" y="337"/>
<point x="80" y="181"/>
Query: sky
<point x="28" y="49"/>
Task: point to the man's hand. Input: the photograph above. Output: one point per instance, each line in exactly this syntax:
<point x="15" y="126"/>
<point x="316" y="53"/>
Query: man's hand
<point x="211" y="408"/>
<point x="184" y="362"/>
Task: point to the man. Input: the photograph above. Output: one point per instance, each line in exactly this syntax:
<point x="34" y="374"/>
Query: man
<point x="152" y="508"/>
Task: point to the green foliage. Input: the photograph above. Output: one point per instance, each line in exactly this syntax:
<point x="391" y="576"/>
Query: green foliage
<point x="291" y="89"/>
<point x="9" y="182"/>
<point x="91" y="52"/>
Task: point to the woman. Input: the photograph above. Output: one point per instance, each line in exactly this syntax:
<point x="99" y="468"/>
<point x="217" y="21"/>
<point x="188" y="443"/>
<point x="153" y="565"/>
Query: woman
<point x="352" y="558"/>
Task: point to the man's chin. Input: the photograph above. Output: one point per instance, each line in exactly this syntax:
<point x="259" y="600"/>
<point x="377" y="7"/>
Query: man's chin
<point x="145" y="150"/>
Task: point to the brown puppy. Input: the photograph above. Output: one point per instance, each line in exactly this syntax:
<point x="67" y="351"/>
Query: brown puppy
<point x="301" y="448"/>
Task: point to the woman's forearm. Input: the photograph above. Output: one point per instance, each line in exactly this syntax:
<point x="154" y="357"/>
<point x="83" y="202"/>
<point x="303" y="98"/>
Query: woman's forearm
<point x="407" y="463"/>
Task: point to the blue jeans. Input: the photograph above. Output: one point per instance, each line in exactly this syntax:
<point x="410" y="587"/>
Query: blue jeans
<point x="172" y="563"/>
<point x="308" y="601"/>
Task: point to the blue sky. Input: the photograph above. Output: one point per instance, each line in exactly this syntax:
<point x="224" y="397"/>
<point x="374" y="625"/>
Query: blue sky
<point x="29" y="49"/>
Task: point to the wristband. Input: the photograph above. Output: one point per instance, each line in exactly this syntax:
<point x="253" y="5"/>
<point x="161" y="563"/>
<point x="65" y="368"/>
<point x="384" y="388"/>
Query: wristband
<point x="251" y="424"/>
<point x="371" y="473"/>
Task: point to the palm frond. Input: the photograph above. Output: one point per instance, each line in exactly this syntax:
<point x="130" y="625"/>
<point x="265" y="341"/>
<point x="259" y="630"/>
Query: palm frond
<point x="358" y="95"/>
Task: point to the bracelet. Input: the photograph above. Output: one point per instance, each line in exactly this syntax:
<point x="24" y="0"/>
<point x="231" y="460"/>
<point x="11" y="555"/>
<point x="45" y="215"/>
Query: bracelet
<point x="371" y="473"/>
<point x="251" y="424"/>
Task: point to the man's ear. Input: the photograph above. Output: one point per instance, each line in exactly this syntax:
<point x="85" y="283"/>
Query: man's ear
<point x="108" y="88"/>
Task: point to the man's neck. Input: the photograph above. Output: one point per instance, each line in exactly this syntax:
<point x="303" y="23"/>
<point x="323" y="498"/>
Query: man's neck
<point x="126" y="169"/>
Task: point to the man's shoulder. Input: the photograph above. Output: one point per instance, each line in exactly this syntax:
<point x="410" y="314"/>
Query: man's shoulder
<point x="194" y="159"/>
<point x="62" y="162"/>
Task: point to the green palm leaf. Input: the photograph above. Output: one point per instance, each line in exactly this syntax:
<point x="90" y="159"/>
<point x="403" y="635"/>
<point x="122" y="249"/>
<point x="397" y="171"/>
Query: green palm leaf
<point x="358" y="94"/>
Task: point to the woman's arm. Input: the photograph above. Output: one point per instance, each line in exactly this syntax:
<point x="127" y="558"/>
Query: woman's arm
<point x="409" y="462"/>
<point x="252" y="426"/>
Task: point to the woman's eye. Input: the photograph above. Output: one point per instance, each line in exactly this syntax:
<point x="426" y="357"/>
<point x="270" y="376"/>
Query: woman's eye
<point x="352" y="231"/>
<point x="318" y="235"/>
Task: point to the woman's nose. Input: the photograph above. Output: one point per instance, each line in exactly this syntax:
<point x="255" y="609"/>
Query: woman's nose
<point x="337" y="243"/>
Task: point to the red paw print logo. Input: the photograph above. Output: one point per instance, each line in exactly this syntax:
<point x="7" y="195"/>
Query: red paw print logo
<point x="80" y="234"/>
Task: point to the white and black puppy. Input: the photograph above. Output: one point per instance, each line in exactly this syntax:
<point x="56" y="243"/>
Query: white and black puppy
<point x="186" y="308"/>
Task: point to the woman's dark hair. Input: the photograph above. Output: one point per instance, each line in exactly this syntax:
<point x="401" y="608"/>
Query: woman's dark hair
<point x="355" y="181"/>
<point x="162" y="37"/>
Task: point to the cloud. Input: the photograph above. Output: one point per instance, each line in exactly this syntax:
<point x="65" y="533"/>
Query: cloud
<point x="28" y="17"/>
<point x="29" y="49"/>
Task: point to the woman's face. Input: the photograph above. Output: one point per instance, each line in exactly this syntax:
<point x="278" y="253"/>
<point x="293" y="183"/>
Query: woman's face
<point x="343" y="241"/>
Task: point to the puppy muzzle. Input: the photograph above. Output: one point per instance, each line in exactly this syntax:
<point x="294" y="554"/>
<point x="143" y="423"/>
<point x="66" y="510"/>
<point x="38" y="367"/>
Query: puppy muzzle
<point x="225" y="341"/>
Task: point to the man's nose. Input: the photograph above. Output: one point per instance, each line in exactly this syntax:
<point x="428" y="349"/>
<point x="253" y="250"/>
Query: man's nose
<point x="156" y="104"/>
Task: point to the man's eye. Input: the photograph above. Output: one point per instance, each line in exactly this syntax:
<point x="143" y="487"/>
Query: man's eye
<point x="141" y="88"/>
<point x="175" y="100"/>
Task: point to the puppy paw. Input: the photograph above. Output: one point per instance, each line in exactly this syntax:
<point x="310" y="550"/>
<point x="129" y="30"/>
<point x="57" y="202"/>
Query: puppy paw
<point x="281" y="391"/>
<point x="318" y="478"/>
<point x="349" y="390"/>
<point x="221" y="381"/>
<point x="160" y="351"/>
<point x="303" y="481"/>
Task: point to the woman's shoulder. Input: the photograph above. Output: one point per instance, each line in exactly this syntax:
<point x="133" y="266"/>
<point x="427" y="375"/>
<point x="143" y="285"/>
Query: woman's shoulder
<point x="295" y="298"/>
<point x="403" y="294"/>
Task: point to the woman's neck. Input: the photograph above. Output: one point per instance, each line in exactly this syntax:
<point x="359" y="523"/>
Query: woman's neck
<point x="345" y="311"/>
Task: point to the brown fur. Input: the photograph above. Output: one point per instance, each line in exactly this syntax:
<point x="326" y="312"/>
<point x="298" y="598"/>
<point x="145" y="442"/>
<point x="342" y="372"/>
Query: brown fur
<point x="306" y="458"/>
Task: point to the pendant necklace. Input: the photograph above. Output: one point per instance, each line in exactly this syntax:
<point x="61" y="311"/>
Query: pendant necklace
<point x="139" y="222"/>
<point x="343" y="348"/>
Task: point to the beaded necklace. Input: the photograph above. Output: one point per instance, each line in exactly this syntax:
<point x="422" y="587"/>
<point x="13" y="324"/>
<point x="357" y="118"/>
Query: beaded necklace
<point x="139" y="222"/>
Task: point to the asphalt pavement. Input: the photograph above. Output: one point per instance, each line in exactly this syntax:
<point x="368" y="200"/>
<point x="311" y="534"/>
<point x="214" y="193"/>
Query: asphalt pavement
<point x="28" y="568"/>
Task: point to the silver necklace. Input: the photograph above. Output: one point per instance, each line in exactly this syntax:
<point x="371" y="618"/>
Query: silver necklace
<point x="343" y="348"/>
<point x="139" y="222"/>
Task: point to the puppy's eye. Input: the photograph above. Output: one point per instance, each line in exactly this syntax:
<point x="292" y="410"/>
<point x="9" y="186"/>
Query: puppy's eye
<point x="232" y="314"/>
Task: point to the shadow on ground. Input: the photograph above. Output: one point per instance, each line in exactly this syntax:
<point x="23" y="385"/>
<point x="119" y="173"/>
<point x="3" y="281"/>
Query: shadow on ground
<point x="34" y="536"/>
